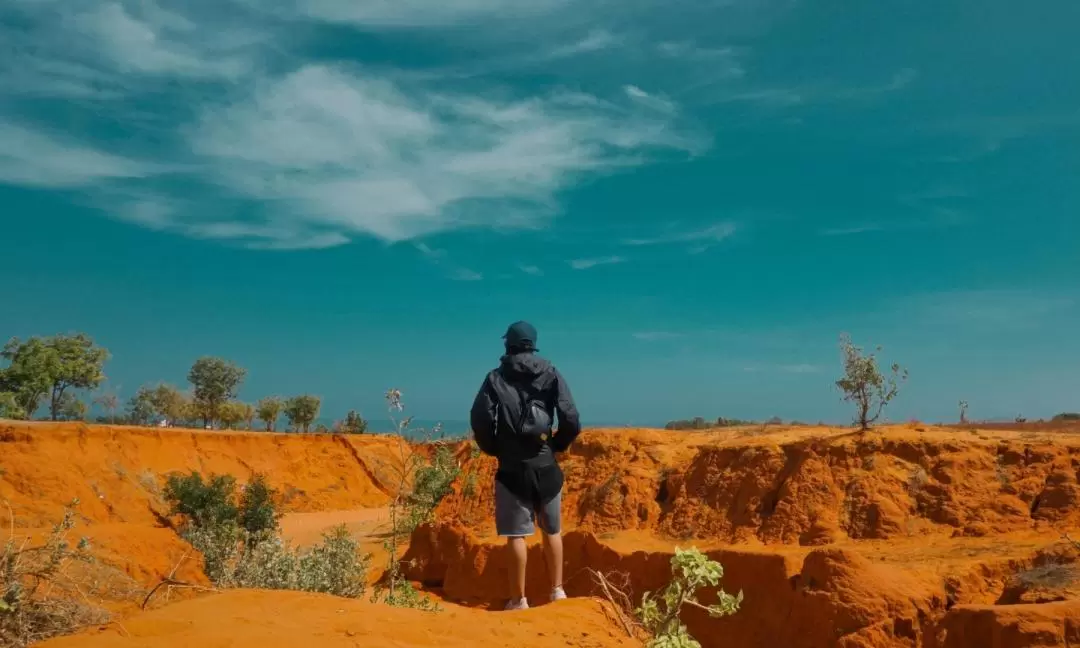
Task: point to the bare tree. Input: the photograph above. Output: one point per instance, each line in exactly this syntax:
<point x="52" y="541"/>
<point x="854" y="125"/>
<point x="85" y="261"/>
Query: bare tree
<point x="864" y="384"/>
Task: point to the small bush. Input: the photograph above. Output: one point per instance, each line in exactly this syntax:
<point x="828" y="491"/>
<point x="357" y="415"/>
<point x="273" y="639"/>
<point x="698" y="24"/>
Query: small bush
<point x="659" y="615"/>
<point x="864" y="384"/>
<point x="241" y="546"/>
<point x="430" y="485"/>
<point x="203" y="504"/>
<point x="38" y="597"/>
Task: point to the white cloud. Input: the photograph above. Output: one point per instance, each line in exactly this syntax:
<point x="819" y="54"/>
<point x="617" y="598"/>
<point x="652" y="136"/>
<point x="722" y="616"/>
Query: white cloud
<point x="991" y="308"/>
<point x="464" y="274"/>
<point x="708" y="236"/>
<point x="139" y="45"/>
<point x="652" y="336"/>
<point x="652" y="101"/>
<point x="531" y="270"/>
<point x="316" y="155"/>
<point x="29" y="157"/>
<point x="855" y="229"/>
<point x="595" y="41"/>
<point x="360" y="154"/>
<point x="585" y="264"/>
<point x="422" y="13"/>
<point x="800" y="368"/>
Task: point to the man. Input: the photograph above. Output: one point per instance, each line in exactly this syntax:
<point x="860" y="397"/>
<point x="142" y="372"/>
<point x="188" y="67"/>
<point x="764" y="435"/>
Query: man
<point x="512" y="420"/>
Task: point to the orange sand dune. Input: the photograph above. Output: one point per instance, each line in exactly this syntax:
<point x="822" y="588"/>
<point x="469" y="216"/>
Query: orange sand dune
<point x="261" y="619"/>
<point x="905" y="537"/>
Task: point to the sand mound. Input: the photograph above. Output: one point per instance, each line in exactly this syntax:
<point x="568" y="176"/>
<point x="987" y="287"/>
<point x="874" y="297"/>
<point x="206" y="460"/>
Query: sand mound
<point x="901" y="538"/>
<point x="809" y="486"/>
<point x="261" y="619"/>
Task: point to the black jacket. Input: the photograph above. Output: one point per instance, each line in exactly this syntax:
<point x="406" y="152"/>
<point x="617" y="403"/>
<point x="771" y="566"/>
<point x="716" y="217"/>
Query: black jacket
<point x="524" y="461"/>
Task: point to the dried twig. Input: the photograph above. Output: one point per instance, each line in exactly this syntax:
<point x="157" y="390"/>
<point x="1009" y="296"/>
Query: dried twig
<point x="171" y="581"/>
<point x="620" y="602"/>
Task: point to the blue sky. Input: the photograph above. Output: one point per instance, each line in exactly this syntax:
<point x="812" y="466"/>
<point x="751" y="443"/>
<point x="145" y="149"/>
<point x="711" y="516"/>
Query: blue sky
<point x="690" y="200"/>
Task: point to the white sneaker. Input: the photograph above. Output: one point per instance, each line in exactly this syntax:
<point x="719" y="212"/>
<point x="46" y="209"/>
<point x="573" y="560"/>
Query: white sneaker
<point x="557" y="594"/>
<point x="517" y="604"/>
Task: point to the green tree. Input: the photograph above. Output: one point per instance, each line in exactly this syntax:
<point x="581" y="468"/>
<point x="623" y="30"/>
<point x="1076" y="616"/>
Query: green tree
<point x="215" y="382"/>
<point x="79" y="364"/>
<point x="233" y="412"/>
<point x="249" y="415"/>
<point x="864" y="384"/>
<point x="71" y="408"/>
<point x="302" y="411"/>
<point x="109" y="402"/>
<point x="142" y="407"/>
<point x="171" y="403"/>
<point x="9" y="406"/>
<point x="268" y="410"/>
<point x="353" y="424"/>
<point x="29" y="374"/>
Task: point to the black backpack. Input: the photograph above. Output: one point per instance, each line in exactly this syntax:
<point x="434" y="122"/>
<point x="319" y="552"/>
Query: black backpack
<point x="535" y="419"/>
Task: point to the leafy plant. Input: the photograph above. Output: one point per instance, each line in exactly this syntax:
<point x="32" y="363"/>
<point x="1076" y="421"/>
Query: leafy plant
<point x="49" y="367"/>
<point x="864" y="384"/>
<point x="241" y="545"/>
<point x="39" y="597"/>
<point x="10" y="407"/>
<point x="415" y="495"/>
<point x="659" y="614"/>
<point x="268" y="410"/>
<point x="353" y="424"/>
<point x="233" y="413"/>
<point x="302" y="411"/>
<point x="215" y="382"/>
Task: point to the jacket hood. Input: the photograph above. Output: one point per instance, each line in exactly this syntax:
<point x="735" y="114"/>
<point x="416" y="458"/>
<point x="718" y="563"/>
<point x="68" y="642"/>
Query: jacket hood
<point x="524" y="367"/>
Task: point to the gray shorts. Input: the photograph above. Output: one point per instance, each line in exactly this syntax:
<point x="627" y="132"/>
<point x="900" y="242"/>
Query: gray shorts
<point x="514" y="517"/>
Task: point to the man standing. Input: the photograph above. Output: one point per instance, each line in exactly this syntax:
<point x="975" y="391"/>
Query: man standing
<point x="512" y="419"/>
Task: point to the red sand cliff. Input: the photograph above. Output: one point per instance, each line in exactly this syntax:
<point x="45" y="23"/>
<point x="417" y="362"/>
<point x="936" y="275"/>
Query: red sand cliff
<point x="899" y="537"/>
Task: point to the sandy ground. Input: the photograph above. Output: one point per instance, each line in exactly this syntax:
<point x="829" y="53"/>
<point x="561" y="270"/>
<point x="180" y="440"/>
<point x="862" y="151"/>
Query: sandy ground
<point x="907" y="537"/>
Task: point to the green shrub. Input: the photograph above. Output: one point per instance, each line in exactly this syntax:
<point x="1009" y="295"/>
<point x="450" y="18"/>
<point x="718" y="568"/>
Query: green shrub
<point x="659" y="615"/>
<point x="241" y="545"/>
<point x="39" y="597"/>
<point x="203" y="504"/>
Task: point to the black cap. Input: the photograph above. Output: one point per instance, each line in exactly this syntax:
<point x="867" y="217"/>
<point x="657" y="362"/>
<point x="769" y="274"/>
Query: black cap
<point x="520" y="335"/>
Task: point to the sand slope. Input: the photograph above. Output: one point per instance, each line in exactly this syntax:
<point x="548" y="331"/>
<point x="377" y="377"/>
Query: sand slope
<point x="906" y="537"/>
<point x="261" y="619"/>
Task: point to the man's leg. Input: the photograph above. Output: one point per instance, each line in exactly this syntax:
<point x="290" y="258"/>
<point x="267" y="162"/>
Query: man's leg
<point x="514" y="521"/>
<point x="550" y="518"/>
<point x="553" y="555"/>
<point x="518" y="556"/>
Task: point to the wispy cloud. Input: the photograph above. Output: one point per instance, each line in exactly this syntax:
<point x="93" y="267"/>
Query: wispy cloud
<point x="704" y="237"/>
<point x="464" y="274"/>
<point x="317" y="155"/>
<point x="652" y="101"/>
<point x="854" y="229"/>
<point x="653" y="336"/>
<point x="782" y="368"/>
<point x="34" y="158"/>
<point x="422" y="13"/>
<point x="809" y="93"/>
<point x="362" y="155"/>
<point x="585" y="264"/>
<point x="998" y="309"/>
<point x="154" y="43"/>
<point x="531" y="270"/>
<point x="595" y="41"/>
<point x="440" y="258"/>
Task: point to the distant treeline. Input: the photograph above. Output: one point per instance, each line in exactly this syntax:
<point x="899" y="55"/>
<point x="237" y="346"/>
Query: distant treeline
<point x="699" y="423"/>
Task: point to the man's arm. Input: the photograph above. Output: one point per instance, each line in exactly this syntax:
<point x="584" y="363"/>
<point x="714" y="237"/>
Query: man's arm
<point x="482" y="418"/>
<point x="569" y="421"/>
